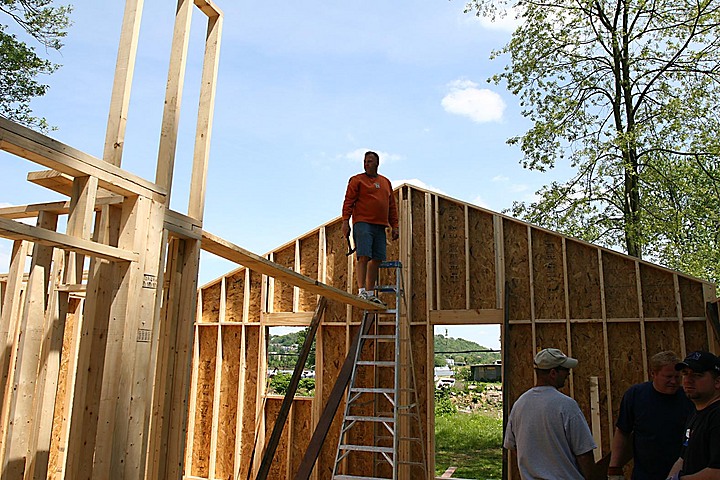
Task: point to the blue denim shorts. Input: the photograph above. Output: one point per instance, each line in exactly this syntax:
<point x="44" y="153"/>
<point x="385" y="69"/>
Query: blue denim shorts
<point x="369" y="240"/>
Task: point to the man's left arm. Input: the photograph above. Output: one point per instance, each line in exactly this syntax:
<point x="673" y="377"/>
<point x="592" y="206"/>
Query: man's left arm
<point x="586" y="464"/>
<point x="704" y="474"/>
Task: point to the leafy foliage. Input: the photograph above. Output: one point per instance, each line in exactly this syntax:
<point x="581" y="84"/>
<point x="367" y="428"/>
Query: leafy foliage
<point x="625" y="92"/>
<point x="19" y="63"/>
<point x="443" y="404"/>
<point x="278" y="384"/>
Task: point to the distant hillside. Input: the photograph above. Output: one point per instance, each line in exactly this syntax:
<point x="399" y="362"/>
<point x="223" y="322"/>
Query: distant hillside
<point x="284" y="348"/>
<point x="463" y="351"/>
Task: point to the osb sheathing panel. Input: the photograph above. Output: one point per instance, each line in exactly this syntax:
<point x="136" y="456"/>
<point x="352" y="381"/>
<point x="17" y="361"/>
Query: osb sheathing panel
<point x="482" y="259"/>
<point x="211" y="304"/>
<point x="661" y="336"/>
<point x="695" y="336"/>
<point x="418" y="304"/>
<point x="336" y="270"/>
<point x="625" y="357"/>
<point x="419" y="345"/>
<point x="589" y="349"/>
<point x="621" y="300"/>
<point x="451" y="250"/>
<point x="548" y="276"/>
<point x="658" y="292"/>
<point x="518" y="367"/>
<point x="691" y="298"/>
<point x="235" y="296"/>
<point x="583" y="280"/>
<point x="278" y="468"/>
<point x="255" y="297"/>
<point x="283" y="299"/>
<point x="252" y="341"/>
<point x="334" y="353"/>
<point x="517" y="269"/>
<point x="207" y="338"/>
<point x="309" y="247"/>
<point x="229" y="382"/>
<point x="301" y="428"/>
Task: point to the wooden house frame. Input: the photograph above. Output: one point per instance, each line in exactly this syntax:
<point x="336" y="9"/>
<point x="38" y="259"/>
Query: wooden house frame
<point x="463" y="265"/>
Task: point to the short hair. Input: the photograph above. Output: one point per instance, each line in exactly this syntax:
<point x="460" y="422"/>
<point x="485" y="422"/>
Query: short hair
<point x="660" y="359"/>
<point x="370" y="152"/>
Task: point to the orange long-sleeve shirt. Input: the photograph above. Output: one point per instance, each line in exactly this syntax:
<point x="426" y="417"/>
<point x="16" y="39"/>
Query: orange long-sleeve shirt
<point x="370" y="199"/>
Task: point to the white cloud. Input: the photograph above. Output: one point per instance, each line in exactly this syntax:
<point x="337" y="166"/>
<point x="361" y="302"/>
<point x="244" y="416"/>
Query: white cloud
<point x="479" y="104"/>
<point x="480" y="202"/>
<point x="417" y="183"/>
<point x="500" y="178"/>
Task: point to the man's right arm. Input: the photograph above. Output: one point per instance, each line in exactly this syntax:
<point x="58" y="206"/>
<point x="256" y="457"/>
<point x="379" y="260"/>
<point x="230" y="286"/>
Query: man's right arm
<point x="620" y="453"/>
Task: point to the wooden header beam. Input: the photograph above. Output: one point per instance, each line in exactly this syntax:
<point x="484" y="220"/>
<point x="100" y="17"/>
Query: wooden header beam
<point x="229" y="251"/>
<point x="21" y="231"/>
<point x="43" y="150"/>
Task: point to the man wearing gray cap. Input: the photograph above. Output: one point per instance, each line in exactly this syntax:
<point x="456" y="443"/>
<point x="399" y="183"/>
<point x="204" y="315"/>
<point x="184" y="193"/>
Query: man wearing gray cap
<point x="700" y="455"/>
<point x="547" y="428"/>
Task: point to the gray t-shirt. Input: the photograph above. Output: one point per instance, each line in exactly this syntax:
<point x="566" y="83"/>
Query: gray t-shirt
<point x="548" y="429"/>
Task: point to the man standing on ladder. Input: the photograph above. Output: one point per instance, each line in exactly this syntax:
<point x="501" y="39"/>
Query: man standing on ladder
<point x="370" y="202"/>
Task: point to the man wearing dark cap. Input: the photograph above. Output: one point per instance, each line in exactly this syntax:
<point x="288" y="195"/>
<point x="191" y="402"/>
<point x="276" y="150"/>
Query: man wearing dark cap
<point x="700" y="455"/>
<point x="547" y="428"/>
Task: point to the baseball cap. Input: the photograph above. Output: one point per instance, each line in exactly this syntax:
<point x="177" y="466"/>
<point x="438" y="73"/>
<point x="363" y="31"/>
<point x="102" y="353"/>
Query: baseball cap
<point x="552" y="358"/>
<point x="700" y="362"/>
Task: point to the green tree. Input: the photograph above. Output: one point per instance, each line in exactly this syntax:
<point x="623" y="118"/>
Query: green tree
<point x="19" y="64"/>
<point x="626" y="91"/>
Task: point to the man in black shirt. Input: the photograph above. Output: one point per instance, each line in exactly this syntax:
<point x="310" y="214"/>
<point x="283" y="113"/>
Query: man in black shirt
<point x="700" y="456"/>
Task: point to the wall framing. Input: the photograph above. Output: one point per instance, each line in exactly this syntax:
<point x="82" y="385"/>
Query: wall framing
<point x="461" y="262"/>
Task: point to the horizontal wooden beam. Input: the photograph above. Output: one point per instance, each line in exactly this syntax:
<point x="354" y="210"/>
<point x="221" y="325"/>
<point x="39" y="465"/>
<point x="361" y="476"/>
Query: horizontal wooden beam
<point x="21" y="231"/>
<point x="60" y="182"/>
<point x="229" y="251"/>
<point x="488" y="316"/>
<point x="286" y="319"/>
<point x="208" y="8"/>
<point x="59" y="208"/>
<point x="43" y="150"/>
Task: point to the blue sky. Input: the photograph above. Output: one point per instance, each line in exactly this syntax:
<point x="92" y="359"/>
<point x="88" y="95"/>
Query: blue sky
<point x="304" y="89"/>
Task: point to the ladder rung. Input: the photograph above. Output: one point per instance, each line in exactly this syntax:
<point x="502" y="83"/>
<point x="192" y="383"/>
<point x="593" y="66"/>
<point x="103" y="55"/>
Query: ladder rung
<point x="355" y="477"/>
<point x="377" y="363"/>
<point x="380" y="337"/>
<point x="366" y="448"/>
<point x="359" y="418"/>
<point x="373" y="390"/>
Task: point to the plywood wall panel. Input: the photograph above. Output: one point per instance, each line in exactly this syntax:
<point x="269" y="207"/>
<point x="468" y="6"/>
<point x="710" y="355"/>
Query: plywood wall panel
<point x="658" y="292"/>
<point x="518" y="369"/>
<point x="660" y="336"/>
<point x="255" y="297"/>
<point x="204" y="400"/>
<point x="302" y="428"/>
<point x="548" y="276"/>
<point x="334" y="353"/>
<point x="583" y="280"/>
<point x="229" y="383"/>
<point x="235" y="296"/>
<point x="625" y="356"/>
<point x="278" y="469"/>
<point x="418" y="255"/>
<point x="517" y="269"/>
<point x="588" y="347"/>
<point x="451" y="250"/>
<point x="211" y="304"/>
<point x="283" y="299"/>
<point x="691" y="297"/>
<point x="621" y="300"/>
<point x="252" y="342"/>
<point x="482" y="259"/>
<point x="309" y="248"/>
<point x="695" y="337"/>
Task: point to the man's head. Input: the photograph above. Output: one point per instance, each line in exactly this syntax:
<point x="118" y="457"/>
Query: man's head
<point x="553" y="367"/>
<point x="665" y="378"/>
<point x="701" y="377"/>
<point x="371" y="163"/>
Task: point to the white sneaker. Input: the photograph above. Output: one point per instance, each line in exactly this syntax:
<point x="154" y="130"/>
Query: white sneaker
<point x="372" y="298"/>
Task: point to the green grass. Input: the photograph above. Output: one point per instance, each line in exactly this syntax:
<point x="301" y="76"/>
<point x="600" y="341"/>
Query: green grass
<point x="470" y="442"/>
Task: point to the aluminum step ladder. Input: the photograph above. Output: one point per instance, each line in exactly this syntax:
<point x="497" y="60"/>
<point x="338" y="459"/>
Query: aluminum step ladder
<point x="382" y="436"/>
